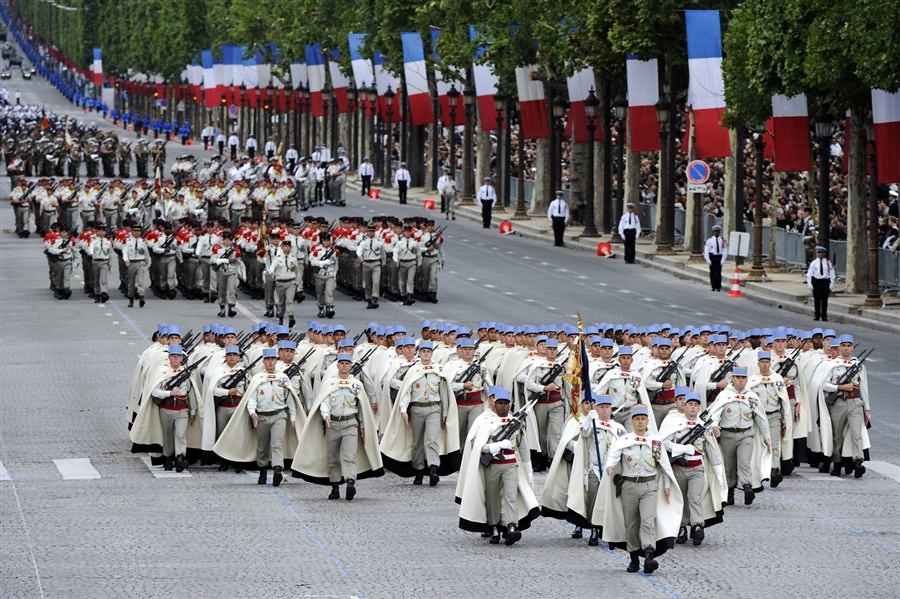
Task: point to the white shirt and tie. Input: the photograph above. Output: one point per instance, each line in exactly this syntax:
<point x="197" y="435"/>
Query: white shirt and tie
<point x="401" y="175"/>
<point x="715" y="245"/>
<point x="487" y="193"/>
<point x="629" y="220"/>
<point x="820" y="268"/>
<point x="558" y="209"/>
<point x="366" y="169"/>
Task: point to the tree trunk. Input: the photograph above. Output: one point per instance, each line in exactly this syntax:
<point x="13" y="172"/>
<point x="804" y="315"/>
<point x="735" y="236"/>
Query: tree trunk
<point x="777" y="200"/>
<point x="661" y="190"/>
<point x="577" y="180"/>
<point x="729" y="199"/>
<point x="344" y="133"/>
<point x="482" y="157"/>
<point x="632" y="182"/>
<point x="857" y="272"/>
<point x="541" y="196"/>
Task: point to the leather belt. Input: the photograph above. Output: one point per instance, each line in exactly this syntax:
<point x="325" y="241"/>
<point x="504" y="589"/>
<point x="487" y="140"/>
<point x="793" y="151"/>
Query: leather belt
<point x="773" y="412"/>
<point x="229" y="405"/>
<point x="344" y="418"/>
<point x="278" y="411"/>
<point x="425" y="404"/>
<point x="374" y="260"/>
<point x="286" y="280"/>
<point x="639" y="479"/>
<point x="735" y="430"/>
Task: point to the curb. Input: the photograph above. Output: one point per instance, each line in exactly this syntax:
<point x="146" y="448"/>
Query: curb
<point x="781" y="300"/>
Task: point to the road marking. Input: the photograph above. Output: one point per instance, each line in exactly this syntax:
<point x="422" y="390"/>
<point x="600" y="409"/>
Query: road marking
<point x="649" y="299"/>
<point x="496" y="249"/>
<point x="158" y="471"/>
<point x="471" y="279"/>
<point x="883" y="468"/>
<point x="675" y="306"/>
<point x="601" y="284"/>
<point x="108" y="314"/>
<point x="453" y="272"/>
<point x="115" y="322"/>
<point x="527" y="258"/>
<point x="625" y="291"/>
<point x="582" y="277"/>
<point x="489" y="286"/>
<point x="123" y="332"/>
<point x="563" y="270"/>
<point x="76" y="469"/>
<point x="531" y="301"/>
<point x="545" y="264"/>
<point x="4" y="473"/>
<point x="699" y="313"/>
<point x="553" y="308"/>
<point x="510" y="252"/>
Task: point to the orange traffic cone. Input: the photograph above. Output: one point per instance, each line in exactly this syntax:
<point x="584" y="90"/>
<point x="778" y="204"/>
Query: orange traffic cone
<point x="736" y="283"/>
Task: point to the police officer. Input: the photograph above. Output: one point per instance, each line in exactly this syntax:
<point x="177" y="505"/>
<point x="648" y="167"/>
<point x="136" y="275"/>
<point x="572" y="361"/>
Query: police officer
<point x="558" y="215"/>
<point x="365" y="172"/>
<point x="629" y="231"/>
<point x="402" y="179"/>
<point x="487" y="197"/>
<point x="715" y="252"/>
<point x="820" y="279"/>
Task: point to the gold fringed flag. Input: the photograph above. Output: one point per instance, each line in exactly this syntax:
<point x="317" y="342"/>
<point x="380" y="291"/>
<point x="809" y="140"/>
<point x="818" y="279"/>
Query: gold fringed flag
<point x="577" y="373"/>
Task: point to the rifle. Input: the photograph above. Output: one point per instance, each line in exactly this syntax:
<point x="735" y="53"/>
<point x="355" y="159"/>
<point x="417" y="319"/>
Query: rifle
<point x="292" y="370"/>
<point x="597" y="448"/>
<point x="235" y="379"/>
<point x="28" y="191"/>
<point x="786" y="366"/>
<point x="725" y="368"/>
<point x="670" y="369"/>
<point x="358" y="337"/>
<point x="698" y="429"/>
<point x="850" y="374"/>
<point x="434" y="236"/>
<point x="65" y="243"/>
<point x="298" y="337"/>
<point x="474" y="368"/>
<point x="185" y="374"/>
<point x="358" y="366"/>
<point x="554" y="372"/>
<point x="168" y="242"/>
<point x="508" y="430"/>
<point x="243" y="337"/>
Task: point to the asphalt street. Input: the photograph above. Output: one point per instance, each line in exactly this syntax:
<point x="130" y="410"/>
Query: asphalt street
<point x="80" y="516"/>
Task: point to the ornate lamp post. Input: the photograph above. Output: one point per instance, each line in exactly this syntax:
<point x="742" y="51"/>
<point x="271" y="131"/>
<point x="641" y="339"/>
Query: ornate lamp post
<point x="614" y="212"/>
<point x="500" y="182"/>
<point x="452" y="100"/>
<point x="388" y="146"/>
<point x="354" y="120"/>
<point x="591" y="104"/>
<point x="560" y="105"/>
<point x="468" y="166"/>
<point x="326" y="105"/>
<point x="873" y="290"/>
<point x="666" y="204"/>
<point x="521" y="212"/>
<point x="757" y="271"/>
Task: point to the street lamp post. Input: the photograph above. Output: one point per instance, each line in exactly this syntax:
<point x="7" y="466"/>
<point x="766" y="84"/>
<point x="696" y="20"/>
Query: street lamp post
<point x="757" y="271"/>
<point x="620" y="106"/>
<point x="591" y="104"/>
<point x="389" y="108"/>
<point x="468" y="174"/>
<point x="307" y="132"/>
<point x="560" y="105"/>
<point x="452" y="99"/>
<point x="521" y="212"/>
<point x="823" y="137"/>
<point x="873" y="290"/>
<point x="374" y="130"/>
<point x="666" y="204"/>
<point x="354" y="122"/>
<point x="326" y="105"/>
<point x="501" y="182"/>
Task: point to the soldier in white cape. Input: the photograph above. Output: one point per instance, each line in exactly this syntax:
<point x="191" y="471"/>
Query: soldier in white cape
<point x="311" y="457"/>
<point x="643" y="518"/>
<point x="779" y="409"/>
<point x="713" y="494"/>
<point x="397" y="442"/>
<point x="149" y="360"/>
<point x="471" y="485"/>
<point x="238" y="442"/>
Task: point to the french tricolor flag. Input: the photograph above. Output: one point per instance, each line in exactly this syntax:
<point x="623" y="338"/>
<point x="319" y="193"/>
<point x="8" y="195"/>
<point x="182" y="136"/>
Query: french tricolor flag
<point x="97" y="67"/>
<point x="485" y="87"/>
<point x="223" y="71"/>
<point x="535" y="121"/>
<point x="339" y="81"/>
<point x="706" y="88"/>
<point x="580" y="85"/>
<point x="886" y="121"/>
<point x="363" y="75"/>
<point x="315" y="69"/>
<point x="210" y="90"/>
<point x="443" y="86"/>
<point x="298" y="74"/>
<point x="250" y="77"/>
<point x="417" y="92"/>
<point x="195" y="77"/>
<point x="384" y="79"/>
<point x="790" y="133"/>
<point x="643" y="94"/>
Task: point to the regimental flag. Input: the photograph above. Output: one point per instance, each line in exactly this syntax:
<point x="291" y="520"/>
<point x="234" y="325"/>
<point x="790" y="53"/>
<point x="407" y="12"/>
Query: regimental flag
<point x="580" y="85"/>
<point x="418" y="93"/>
<point x="97" y="67"/>
<point x="339" y="81"/>
<point x="643" y="94"/>
<point x="535" y="121"/>
<point x="790" y="133"/>
<point x="706" y="88"/>
<point x="485" y="87"/>
<point x="886" y="121"/>
<point x="315" y="69"/>
<point x="578" y="373"/>
<point x="443" y="86"/>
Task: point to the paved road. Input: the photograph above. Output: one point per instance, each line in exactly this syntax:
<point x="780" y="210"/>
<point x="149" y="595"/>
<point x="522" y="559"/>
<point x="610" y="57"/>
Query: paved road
<point x="82" y="517"/>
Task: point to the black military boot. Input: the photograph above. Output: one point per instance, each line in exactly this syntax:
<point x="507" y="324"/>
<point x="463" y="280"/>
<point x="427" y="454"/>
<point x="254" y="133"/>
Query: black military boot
<point x="97" y="299"/>
<point x="223" y="466"/>
<point x="858" y="468"/>
<point x="577" y="533"/>
<point x="168" y="463"/>
<point x="730" y="500"/>
<point x="420" y="474"/>
<point x="823" y="466"/>
<point x="329" y="311"/>
<point x="180" y="463"/>
<point x="141" y="301"/>
<point x="370" y="305"/>
<point x="775" y="478"/>
<point x="488" y="533"/>
<point x="836" y="469"/>
<point x="595" y="537"/>
<point x="681" y="539"/>
<point x="335" y="493"/>
<point x="277" y="477"/>
<point x="231" y="311"/>
<point x="650" y="564"/>
<point x="351" y="489"/>
<point x="512" y="535"/>
<point x="495" y="536"/>
<point x="270" y="312"/>
<point x="321" y="312"/>
<point x="697" y="533"/>
<point x="222" y="312"/>
<point x="748" y="494"/>
<point x="291" y="321"/>
<point x="104" y="297"/>
<point x="433" y="477"/>
<point x="634" y="565"/>
<point x="263" y="475"/>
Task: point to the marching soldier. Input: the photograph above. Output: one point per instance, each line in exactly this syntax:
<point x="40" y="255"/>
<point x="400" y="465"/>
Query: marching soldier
<point x="136" y="256"/>
<point x="177" y="411"/>
<point x="61" y="254"/>
<point x="371" y="256"/>
<point x="743" y="428"/>
<point x="469" y="390"/>
<point x="432" y="259"/>
<point x="271" y="404"/>
<point x="283" y="271"/>
<point x="550" y="410"/>
<point x="626" y="387"/>
<point x="780" y="410"/>
<point x="660" y="390"/>
<point x="407" y="258"/>
<point x="227" y="399"/>
<point x="224" y="259"/>
<point x="715" y="252"/>
<point x="21" y="208"/>
<point x="100" y="251"/>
